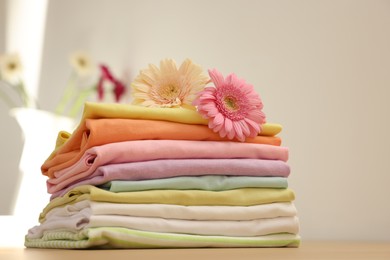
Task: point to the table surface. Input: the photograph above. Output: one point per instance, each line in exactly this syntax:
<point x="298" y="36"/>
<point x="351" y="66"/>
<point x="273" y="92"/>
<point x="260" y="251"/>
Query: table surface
<point x="307" y="250"/>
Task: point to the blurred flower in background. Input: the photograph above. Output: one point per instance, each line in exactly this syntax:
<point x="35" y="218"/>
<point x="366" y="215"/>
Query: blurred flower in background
<point x="10" y="67"/>
<point x="118" y="88"/>
<point x="12" y="89"/>
<point x="80" y="85"/>
<point x="81" y="63"/>
<point x="88" y="81"/>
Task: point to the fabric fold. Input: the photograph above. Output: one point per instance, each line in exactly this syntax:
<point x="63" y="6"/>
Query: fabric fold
<point x="145" y="150"/>
<point x="243" y="228"/>
<point x="103" y="131"/>
<point x="110" y="237"/>
<point x="138" y="177"/>
<point x="208" y="182"/>
<point x="95" y="110"/>
<point x="158" y="169"/>
<point x="168" y="211"/>
<point x="238" y="197"/>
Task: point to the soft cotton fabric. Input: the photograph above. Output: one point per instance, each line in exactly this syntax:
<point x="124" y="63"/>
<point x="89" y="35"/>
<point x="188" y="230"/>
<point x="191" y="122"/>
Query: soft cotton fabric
<point x="208" y="182"/>
<point x="244" y="228"/>
<point x="237" y="197"/>
<point x="180" y="115"/>
<point x="270" y="210"/>
<point x="144" y="150"/>
<point x="126" y="111"/>
<point x="158" y="169"/>
<point x="103" y="131"/>
<point x="204" y="192"/>
<point x="110" y="237"/>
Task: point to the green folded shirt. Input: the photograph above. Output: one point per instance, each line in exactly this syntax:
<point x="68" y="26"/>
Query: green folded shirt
<point x="110" y="237"/>
<point x="208" y="182"/>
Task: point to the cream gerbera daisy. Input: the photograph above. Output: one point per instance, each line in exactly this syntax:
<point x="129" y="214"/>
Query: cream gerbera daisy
<point x="168" y="86"/>
<point x="10" y="68"/>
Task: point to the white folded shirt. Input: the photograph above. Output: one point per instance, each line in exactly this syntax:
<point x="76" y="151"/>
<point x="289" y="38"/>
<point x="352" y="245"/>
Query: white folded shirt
<point x="201" y="220"/>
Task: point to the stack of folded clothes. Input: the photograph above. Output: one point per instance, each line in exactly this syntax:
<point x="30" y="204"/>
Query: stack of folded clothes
<point x="137" y="176"/>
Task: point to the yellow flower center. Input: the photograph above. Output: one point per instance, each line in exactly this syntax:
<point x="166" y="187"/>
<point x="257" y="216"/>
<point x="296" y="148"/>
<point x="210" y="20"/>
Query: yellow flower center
<point x="82" y="62"/>
<point x="11" y="66"/>
<point x="231" y="103"/>
<point x="169" y="92"/>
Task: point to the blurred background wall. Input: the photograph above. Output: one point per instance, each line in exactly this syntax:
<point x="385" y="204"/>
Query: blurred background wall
<point x="2" y="25"/>
<point x="321" y="67"/>
<point x="10" y="141"/>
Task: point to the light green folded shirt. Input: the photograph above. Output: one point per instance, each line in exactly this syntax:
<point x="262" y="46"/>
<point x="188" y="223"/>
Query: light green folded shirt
<point x="117" y="237"/>
<point x="237" y="197"/>
<point x="208" y="182"/>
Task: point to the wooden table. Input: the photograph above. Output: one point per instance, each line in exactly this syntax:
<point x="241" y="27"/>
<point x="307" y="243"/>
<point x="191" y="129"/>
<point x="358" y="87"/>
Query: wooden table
<point x="308" y="250"/>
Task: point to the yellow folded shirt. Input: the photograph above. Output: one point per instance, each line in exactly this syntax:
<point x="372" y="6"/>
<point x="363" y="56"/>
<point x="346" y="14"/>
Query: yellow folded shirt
<point x="237" y="197"/>
<point x="179" y="115"/>
<point x="126" y="111"/>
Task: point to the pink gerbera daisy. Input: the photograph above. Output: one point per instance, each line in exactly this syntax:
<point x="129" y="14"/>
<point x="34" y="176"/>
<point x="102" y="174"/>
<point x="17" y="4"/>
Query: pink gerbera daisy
<point x="232" y="107"/>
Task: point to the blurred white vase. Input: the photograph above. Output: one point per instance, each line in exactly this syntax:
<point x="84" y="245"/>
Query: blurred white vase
<point x="40" y="129"/>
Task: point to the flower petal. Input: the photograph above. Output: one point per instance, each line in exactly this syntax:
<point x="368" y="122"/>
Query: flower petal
<point x="168" y="67"/>
<point x="228" y="125"/>
<point x="141" y="95"/>
<point x="148" y="77"/>
<point x="169" y="87"/>
<point x="119" y="90"/>
<point x="100" y="89"/>
<point x="216" y="77"/>
<point x="238" y="130"/>
<point x="253" y="127"/>
<point x="231" y="134"/>
<point x="222" y="132"/>
<point x="210" y="106"/>
<point x="140" y="87"/>
<point x="218" y="128"/>
<point x="148" y="103"/>
<point x="245" y="128"/>
<point x="231" y="79"/>
<point x="213" y="112"/>
<point x="211" y="124"/>
<point x="257" y="116"/>
<point x="206" y="95"/>
<point x="218" y="119"/>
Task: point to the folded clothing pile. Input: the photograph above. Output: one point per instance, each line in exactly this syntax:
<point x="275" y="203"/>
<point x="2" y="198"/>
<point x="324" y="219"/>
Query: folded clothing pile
<point x="144" y="177"/>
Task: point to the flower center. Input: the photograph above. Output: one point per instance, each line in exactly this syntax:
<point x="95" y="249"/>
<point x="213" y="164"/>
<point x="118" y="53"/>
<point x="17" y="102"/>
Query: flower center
<point x="231" y="103"/>
<point x="82" y="62"/>
<point x="11" y="66"/>
<point x="169" y="92"/>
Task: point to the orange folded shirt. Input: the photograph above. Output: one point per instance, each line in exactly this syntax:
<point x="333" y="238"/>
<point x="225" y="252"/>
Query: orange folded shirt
<point x="103" y="131"/>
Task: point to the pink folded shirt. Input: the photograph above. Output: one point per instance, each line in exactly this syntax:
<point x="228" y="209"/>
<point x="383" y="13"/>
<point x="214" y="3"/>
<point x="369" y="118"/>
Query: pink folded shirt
<point x="158" y="169"/>
<point x="144" y="150"/>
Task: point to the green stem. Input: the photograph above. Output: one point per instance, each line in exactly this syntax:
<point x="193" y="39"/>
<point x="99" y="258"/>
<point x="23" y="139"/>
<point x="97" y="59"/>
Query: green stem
<point x="30" y="100"/>
<point x="6" y="99"/>
<point x="80" y="101"/>
<point x="68" y="92"/>
<point x="23" y="94"/>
